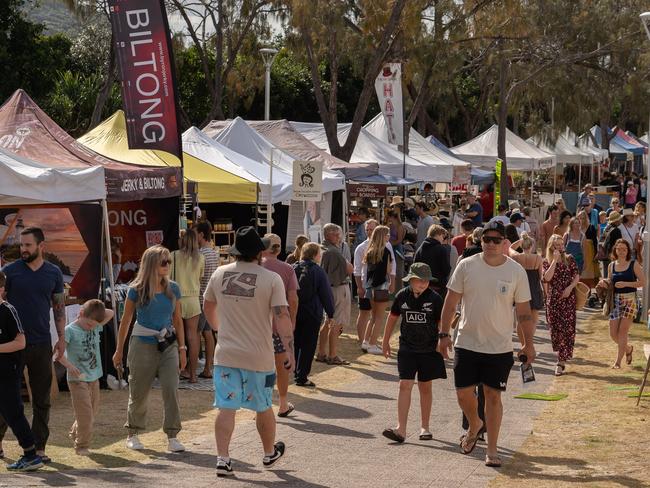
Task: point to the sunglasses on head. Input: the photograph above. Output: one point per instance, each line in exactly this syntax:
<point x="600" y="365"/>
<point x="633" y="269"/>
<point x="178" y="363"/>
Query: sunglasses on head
<point x="492" y="239"/>
<point x="165" y="262"/>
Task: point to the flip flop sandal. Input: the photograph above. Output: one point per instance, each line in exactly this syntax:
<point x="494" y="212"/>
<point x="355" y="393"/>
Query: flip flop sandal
<point x="337" y="361"/>
<point x="393" y="435"/>
<point x="493" y="461"/>
<point x="426" y="436"/>
<point x="307" y="384"/>
<point x="469" y="441"/>
<point x="628" y="355"/>
<point x="321" y="359"/>
<point x="559" y="369"/>
<point x="287" y="411"/>
<point x="205" y="376"/>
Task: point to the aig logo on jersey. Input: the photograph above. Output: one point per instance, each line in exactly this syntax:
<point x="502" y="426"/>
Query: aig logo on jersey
<point x="416" y="317"/>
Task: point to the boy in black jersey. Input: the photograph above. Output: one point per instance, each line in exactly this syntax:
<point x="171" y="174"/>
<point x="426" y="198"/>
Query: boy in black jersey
<point x="12" y="343"/>
<point x="419" y="307"/>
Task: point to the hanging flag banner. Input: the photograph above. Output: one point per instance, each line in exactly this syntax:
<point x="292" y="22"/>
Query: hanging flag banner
<point x="307" y="181"/>
<point x="145" y="59"/>
<point x="497" y="187"/>
<point x="389" y="92"/>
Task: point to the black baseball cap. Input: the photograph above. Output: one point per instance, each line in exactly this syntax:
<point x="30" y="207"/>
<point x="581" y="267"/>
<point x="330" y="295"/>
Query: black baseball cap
<point x="496" y="226"/>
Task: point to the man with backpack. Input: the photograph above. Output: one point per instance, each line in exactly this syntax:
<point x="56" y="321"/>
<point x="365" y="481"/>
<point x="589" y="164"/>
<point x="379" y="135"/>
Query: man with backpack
<point x="609" y="236"/>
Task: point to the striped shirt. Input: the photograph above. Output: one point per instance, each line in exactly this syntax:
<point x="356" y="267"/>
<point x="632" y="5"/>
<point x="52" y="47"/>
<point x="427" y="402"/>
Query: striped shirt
<point x="211" y="264"/>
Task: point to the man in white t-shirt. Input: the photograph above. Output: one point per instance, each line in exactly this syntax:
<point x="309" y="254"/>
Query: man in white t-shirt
<point x="488" y="284"/>
<point x="241" y="301"/>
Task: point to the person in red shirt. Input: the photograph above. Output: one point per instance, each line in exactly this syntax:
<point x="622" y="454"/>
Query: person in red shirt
<point x="486" y="199"/>
<point x="460" y="241"/>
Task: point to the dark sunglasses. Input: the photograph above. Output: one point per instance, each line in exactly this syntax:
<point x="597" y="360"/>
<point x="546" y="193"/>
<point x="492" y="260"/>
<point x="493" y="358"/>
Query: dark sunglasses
<point x="492" y="239"/>
<point x="165" y="262"/>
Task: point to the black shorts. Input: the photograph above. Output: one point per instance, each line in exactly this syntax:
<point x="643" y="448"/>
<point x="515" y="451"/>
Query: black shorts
<point x="364" y="304"/>
<point x="472" y="368"/>
<point x="428" y="365"/>
<point x="278" y="347"/>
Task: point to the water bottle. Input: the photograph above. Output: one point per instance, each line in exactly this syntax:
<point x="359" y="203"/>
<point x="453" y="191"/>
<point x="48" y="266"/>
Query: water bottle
<point x="527" y="372"/>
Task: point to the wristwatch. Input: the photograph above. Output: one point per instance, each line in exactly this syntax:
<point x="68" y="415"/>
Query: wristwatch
<point x="442" y="335"/>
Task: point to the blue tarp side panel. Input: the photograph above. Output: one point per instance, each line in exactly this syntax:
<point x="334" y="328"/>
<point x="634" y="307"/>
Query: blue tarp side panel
<point x="433" y="140"/>
<point x="482" y="176"/>
<point x="636" y="150"/>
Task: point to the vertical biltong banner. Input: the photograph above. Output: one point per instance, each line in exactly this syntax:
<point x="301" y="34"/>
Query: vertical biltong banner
<point x="388" y="85"/>
<point x="145" y="58"/>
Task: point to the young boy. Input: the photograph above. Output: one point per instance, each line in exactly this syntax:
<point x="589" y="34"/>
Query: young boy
<point x="12" y="343"/>
<point x="420" y="308"/>
<point x="83" y="362"/>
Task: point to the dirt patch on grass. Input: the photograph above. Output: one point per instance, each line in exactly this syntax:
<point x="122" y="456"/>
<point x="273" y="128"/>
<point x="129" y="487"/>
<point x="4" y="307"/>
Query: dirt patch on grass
<point x="597" y="437"/>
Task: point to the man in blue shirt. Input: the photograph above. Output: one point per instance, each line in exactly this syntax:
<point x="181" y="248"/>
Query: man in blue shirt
<point x="474" y="210"/>
<point x="360" y="233"/>
<point x="33" y="286"/>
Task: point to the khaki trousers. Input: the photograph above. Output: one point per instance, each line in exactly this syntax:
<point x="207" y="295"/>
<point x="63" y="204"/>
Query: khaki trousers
<point x="85" y="402"/>
<point x="145" y="362"/>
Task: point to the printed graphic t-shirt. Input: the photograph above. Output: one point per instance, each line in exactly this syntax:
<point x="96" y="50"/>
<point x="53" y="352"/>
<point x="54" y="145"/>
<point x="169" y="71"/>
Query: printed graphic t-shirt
<point x="489" y="293"/>
<point x="420" y="317"/>
<point x="82" y="350"/>
<point x="245" y="294"/>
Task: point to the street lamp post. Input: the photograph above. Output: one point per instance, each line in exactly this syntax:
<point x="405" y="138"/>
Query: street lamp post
<point x="268" y="55"/>
<point x="645" y="20"/>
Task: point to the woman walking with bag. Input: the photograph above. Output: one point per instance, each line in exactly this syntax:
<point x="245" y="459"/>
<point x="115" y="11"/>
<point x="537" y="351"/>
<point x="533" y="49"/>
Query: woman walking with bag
<point x="627" y="276"/>
<point x="561" y="277"/>
<point x="187" y="269"/>
<point x="378" y="283"/>
<point x="156" y="346"/>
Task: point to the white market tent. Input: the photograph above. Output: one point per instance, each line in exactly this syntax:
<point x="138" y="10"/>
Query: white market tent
<point x="420" y="149"/>
<point x="201" y="146"/>
<point x="25" y="182"/>
<point x="521" y="156"/>
<point x="369" y="149"/>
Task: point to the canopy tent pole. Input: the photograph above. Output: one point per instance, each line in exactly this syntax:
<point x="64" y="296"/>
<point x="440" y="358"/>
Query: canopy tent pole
<point x="532" y="186"/>
<point x="109" y="256"/>
<point x="579" y="177"/>
<point x="554" y="180"/>
<point x="269" y="204"/>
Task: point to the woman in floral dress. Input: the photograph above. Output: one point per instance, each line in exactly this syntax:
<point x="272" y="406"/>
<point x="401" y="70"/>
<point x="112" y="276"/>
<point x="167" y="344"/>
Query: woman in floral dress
<point x="560" y="277"/>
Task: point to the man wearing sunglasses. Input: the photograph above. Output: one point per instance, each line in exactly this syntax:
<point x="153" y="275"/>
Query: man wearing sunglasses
<point x="488" y="283"/>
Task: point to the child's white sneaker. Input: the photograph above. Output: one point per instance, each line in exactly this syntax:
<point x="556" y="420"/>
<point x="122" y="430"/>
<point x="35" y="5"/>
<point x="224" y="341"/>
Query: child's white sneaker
<point x="132" y="442"/>
<point x="174" y="445"/>
<point x="375" y="350"/>
<point x="365" y="346"/>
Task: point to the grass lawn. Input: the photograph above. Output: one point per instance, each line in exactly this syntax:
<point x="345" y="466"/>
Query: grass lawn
<point x="597" y="437"/>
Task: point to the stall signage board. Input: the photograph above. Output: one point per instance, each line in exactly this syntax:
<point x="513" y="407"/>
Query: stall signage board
<point x="366" y="190"/>
<point x="307" y="181"/>
<point x="462" y="180"/>
<point x="388" y="85"/>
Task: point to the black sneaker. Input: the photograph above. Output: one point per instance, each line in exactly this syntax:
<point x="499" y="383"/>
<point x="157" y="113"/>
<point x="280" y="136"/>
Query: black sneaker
<point x="270" y="461"/>
<point x="224" y="468"/>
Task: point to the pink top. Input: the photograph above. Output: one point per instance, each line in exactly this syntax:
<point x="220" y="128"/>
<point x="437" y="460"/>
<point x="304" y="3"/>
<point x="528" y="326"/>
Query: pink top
<point x="285" y="271"/>
<point x="630" y="195"/>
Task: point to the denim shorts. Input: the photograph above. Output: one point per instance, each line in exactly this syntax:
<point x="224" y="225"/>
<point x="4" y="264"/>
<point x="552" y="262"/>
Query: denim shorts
<point x="236" y="388"/>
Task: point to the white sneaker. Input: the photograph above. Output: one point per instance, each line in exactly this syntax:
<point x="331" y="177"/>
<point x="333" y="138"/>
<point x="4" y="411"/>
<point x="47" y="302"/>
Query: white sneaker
<point x="365" y="346"/>
<point x="132" y="442"/>
<point x="174" y="445"/>
<point x="375" y="350"/>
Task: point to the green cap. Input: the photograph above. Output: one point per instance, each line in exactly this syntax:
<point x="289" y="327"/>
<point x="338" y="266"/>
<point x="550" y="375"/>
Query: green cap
<point x="419" y="270"/>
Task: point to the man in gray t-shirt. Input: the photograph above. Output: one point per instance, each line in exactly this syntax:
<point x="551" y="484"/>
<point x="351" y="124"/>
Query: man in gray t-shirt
<point x="424" y="222"/>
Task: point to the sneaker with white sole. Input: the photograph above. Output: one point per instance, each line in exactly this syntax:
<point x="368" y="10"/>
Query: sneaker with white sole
<point x="224" y="468"/>
<point x="132" y="442"/>
<point x="365" y="346"/>
<point x="375" y="350"/>
<point x="27" y="463"/>
<point x="173" y="445"/>
<point x="278" y="451"/>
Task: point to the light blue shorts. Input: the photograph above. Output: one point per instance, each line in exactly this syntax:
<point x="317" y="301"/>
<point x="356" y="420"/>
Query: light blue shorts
<point x="236" y="388"/>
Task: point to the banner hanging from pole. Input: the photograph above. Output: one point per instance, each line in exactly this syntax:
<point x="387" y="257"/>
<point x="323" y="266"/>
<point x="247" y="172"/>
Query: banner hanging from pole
<point x="497" y="187"/>
<point x="145" y="59"/>
<point x="307" y="181"/>
<point x="388" y="85"/>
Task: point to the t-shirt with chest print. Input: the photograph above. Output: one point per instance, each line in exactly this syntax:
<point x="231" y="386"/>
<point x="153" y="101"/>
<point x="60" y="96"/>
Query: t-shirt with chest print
<point x="420" y="317"/>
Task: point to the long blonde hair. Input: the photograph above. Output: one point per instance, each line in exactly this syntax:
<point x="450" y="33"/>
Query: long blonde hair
<point x="549" y="248"/>
<point x="375" y="251"/>
<point x="147" y="279"/>
<point x="189" y="244"/>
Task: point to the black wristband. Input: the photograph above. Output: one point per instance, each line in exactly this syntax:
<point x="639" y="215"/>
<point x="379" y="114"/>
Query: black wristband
<point x="442" y="334"/>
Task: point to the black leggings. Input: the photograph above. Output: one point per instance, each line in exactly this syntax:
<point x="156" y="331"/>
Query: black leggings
<point x="11" y="409"/>
<point x="305" y="341"/>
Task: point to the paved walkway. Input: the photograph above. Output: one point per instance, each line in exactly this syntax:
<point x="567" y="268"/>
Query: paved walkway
<point x="334" y="440"/>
